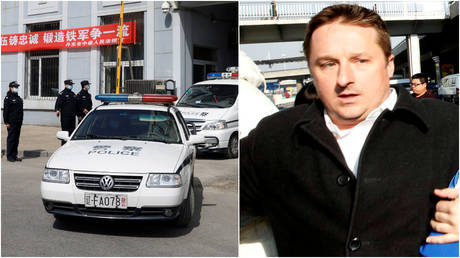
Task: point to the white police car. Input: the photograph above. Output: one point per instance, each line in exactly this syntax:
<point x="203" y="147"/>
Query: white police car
<point x="124" y="161"/>
<point x="211" y="108"/>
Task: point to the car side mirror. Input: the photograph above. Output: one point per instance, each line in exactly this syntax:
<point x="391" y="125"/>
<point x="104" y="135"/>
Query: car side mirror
<point x="196" y="139"/>
<point x="63" y="135"/>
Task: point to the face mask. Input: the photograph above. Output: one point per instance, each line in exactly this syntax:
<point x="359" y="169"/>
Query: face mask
<point x="88" y="88"/>
<point x="15" y="90"/>
<point x="69" y="87"/>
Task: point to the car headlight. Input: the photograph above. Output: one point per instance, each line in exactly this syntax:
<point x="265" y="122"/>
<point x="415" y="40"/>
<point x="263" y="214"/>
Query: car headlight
<point x="164" y="180"/>
<point x="215" y="125"/>
<point x="55" y="175"/>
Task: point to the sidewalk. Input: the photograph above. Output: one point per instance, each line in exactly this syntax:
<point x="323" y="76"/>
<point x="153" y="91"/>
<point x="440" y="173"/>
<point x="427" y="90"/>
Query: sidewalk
<point x="35" y="140"/>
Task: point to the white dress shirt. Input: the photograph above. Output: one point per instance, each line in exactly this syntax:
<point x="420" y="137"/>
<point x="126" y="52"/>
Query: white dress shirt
<point x="351" y="141"/>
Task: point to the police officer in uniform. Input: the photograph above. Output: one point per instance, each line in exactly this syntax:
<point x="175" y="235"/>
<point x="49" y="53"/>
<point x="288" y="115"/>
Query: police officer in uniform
<point x="13" y="114"/>
<point x="84" y="102"/>
<point x="66" y="107"/>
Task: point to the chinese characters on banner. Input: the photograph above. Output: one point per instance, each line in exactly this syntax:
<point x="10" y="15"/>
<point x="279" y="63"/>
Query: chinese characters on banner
<point x="69" y="38"/>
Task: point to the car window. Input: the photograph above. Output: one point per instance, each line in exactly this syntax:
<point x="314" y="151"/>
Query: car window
<point x="210" y="96"/>
<point x="143" y="125"/>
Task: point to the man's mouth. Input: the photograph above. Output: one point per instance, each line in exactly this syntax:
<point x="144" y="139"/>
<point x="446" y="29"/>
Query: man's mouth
<point x="348" y="97"/>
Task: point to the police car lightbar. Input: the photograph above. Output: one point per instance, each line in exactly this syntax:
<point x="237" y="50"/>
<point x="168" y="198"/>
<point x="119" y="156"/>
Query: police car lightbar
<point x="129" y="98"/>
<point x="212" y="76"/>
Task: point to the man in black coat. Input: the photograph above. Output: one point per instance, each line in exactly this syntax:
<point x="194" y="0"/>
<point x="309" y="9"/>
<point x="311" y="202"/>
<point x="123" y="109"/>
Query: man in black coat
<point x="84" y="102"/>
<point x="13" y="115"/>
<point x="66" y="107"/>
<point x="353" y="173"/>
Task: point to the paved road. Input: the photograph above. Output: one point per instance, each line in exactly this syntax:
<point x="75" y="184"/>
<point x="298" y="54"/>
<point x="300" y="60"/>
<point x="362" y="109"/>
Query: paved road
<point x="27" y="230"/>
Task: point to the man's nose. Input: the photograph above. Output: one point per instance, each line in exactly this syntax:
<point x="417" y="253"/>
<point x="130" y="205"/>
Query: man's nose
<point x="345" y="74"/>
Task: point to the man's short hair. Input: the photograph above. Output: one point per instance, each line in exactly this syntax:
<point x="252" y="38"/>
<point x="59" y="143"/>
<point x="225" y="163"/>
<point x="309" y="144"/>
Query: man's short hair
<point x="422" y="77"/>
<point x="349" y="14"/>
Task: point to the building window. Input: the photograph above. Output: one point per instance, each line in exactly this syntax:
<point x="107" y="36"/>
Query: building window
<point x="204" y="62"/>
<point x="132" y="65"/>
<point x="42" y="66"/>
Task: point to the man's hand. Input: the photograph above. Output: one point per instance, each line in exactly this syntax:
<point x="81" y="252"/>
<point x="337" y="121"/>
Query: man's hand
<point x="85" y="111"/>
<point x="8" y="126"/>
<point x="79" y="118"/>
<point x="446" y="217"/>
<point x="57" y="112"/>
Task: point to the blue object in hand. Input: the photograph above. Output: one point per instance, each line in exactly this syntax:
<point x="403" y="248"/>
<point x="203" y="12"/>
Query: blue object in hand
<point x="441" y="250"/>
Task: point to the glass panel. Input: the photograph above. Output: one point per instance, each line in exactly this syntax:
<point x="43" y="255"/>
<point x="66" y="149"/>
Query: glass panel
<point x="34" y="77"/>
<point x="142" y="125"/>
<point x="111" y="79"/>
<point x="138" y="73"/>
<point x="50" y="77"/>
<point x="110" y="53"/>
<point x="198" y="73"/>
<point x="209" y="96"/>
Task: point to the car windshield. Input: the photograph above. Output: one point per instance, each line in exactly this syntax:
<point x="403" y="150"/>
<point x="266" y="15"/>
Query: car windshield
<point x="142" y="125"/>
<point x="209" y="96"/>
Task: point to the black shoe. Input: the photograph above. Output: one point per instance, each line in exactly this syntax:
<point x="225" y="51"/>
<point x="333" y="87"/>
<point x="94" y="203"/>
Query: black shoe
<point x="18" y="159"/>
<point x="11" y="160"/>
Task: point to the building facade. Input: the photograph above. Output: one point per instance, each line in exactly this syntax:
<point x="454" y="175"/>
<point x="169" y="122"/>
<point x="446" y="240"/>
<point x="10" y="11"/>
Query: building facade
<point x="181" y="41"/>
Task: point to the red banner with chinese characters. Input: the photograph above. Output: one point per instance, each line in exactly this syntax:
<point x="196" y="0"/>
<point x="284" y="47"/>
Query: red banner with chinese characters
<point x="69" y="38"/>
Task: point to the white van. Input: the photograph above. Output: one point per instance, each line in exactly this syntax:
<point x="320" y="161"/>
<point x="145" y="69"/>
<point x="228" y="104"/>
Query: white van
<point x="211" y="109"/>
<point x="449" y="88"/>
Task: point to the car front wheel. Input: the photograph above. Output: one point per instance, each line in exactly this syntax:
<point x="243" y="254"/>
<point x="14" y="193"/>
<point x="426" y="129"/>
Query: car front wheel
<point x="232" y="150"/>
<point x="187" y="209"/>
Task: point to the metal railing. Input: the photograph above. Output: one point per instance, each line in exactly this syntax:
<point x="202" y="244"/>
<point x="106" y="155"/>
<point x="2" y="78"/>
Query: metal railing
<point x="388" y="10"/>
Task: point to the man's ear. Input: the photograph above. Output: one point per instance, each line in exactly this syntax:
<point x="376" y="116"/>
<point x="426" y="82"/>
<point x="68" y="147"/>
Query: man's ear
<point x="390" y="65"/>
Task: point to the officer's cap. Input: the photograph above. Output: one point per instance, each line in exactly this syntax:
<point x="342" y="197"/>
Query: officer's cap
<point x="68" y="82"/>
<point x="14" y="84"/>
<point x="85" y="82"/>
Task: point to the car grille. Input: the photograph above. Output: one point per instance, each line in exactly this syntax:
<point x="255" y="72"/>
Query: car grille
<point x="122" y="183"/>
<point x="130" y="211"/>
<point x="197" y="122"/>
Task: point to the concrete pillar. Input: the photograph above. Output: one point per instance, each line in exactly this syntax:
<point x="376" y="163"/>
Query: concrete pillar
<point x="437" y="67"/>
<point x="149" y="41"/>
<point x="413" y="54"/>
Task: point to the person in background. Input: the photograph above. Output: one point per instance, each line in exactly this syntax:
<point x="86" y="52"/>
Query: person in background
<point x="84" y="102"/>
<point x="306" y="95"/>
<point x="66" y="107"/>
<point x="13" y="114"/>
<point x="418" y="85"/>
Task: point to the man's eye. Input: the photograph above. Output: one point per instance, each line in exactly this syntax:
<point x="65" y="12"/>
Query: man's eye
<point x="327" y="64"/>
<point x="362" y="61"/>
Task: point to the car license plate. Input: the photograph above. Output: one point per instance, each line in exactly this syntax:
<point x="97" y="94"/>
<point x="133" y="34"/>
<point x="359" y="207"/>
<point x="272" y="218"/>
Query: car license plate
<point x="117" y="201"/>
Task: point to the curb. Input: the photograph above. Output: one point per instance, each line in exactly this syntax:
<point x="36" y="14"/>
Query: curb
<point x="32" y="153"/>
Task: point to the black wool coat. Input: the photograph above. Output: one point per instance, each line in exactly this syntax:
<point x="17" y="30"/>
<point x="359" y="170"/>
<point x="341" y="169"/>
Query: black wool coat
<point x="293" y="171"/>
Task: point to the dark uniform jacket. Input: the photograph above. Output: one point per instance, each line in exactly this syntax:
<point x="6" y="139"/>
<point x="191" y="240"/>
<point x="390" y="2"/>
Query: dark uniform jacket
<point x="13" y="109"/>
<point x="292" y="170"/>
<point x="84" y="102"/>
<point x="67" y="103"/>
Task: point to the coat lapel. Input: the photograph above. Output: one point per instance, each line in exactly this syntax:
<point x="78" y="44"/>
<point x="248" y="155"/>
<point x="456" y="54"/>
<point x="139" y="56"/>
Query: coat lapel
<point x="314" y="126"/>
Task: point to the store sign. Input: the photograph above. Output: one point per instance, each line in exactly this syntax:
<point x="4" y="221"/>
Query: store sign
<point x="69" y="38"/>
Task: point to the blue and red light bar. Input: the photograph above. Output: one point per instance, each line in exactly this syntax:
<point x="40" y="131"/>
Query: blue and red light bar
<point x="128" y="98"/>
<point x="212" y="76"/>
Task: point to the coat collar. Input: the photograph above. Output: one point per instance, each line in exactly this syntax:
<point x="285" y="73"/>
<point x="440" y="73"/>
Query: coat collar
<point x="407" y="108"/>
<point x="406" y="105"/>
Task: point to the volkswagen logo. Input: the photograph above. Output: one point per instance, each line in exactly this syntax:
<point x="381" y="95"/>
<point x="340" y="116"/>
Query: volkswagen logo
<point x="106" y="183"/>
